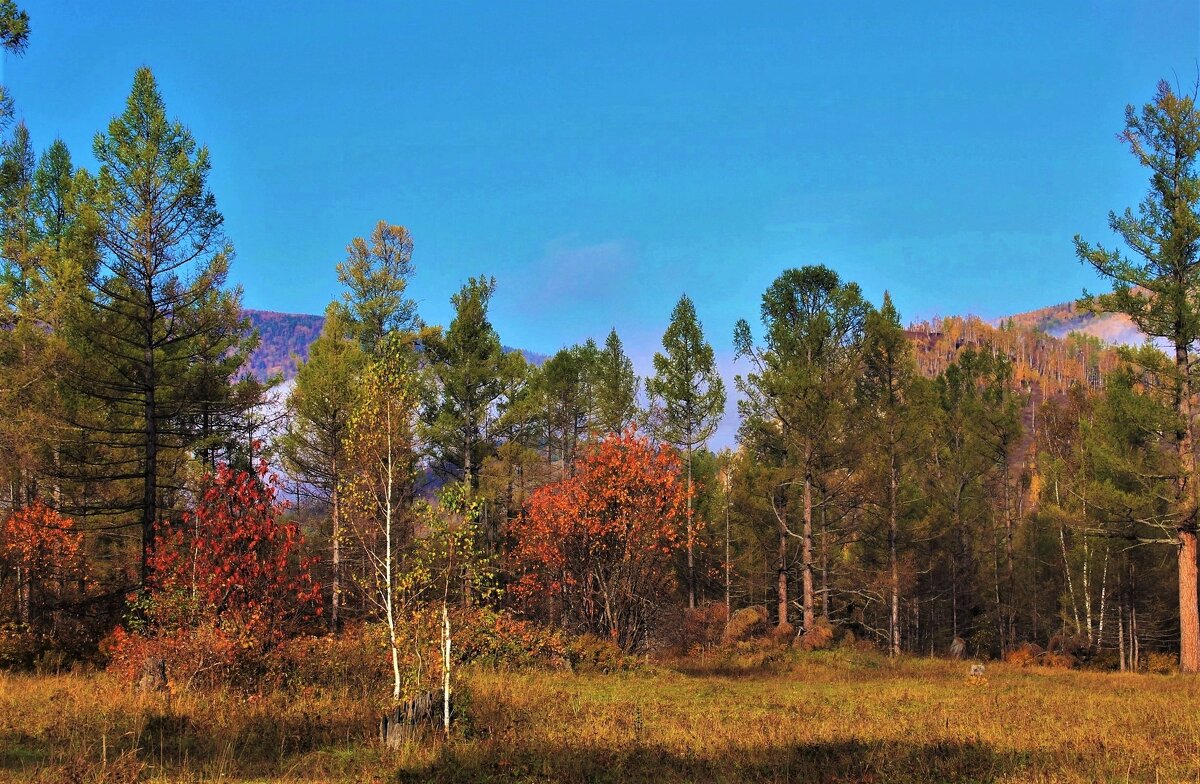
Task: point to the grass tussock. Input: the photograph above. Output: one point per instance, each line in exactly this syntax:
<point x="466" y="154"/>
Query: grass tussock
<point x="749" y="715"/>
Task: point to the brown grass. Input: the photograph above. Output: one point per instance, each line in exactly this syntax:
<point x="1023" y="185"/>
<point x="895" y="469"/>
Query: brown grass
<point x="818" y="717"/>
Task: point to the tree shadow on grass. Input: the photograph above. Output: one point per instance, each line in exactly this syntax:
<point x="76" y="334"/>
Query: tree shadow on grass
<point x="258" y="745"/>
<point x="808" y="763"/>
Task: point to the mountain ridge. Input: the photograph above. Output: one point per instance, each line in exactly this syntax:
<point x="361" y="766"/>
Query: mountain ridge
<point x="284" y="339"/>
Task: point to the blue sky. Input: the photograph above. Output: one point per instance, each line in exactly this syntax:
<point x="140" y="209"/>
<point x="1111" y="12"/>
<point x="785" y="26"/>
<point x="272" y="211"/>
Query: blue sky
<point x="601" y="159"/>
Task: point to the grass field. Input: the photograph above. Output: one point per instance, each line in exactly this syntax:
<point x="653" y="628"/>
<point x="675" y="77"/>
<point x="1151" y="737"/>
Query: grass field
<point x="819" y="717"/>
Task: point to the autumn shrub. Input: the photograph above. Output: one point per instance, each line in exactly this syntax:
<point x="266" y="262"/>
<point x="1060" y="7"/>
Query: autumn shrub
<point x="225" y="589"/>
<point x="200" y="656"/>
<point x="1024" y="655"/>
<point x="352" y="660"/>
<point x="1058" y="661"/>
<point x="596" y="547"/>
<point x="356" y="659"/>
<point x="591" y="653"/>
<point x="703" y="627"/>
<point x="746" y="623"/>
<point x="43" y="551"/>
<point x="819" y="637"/>
<point x="487" y="636"/>
<point x="1069" y="644"/>
<point x="782" y="633"/>
<point x="1159" y="663"/>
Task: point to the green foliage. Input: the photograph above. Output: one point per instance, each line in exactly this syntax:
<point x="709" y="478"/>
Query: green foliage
<point x="616" y="387"/>
<point x="376" y="277"/>
<point x="1160" y="287"/>
<point x="468" y="374"/>
<point x="160" y="346"/>
<point x="565" y="391"/>
<point x="687" y="395"/>
<point x="801" y="375"/>
<point x="319" y="407"/>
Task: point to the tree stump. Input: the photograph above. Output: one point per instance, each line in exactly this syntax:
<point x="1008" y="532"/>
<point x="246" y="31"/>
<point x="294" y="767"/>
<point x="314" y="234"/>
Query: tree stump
<point x="410" y="719"/>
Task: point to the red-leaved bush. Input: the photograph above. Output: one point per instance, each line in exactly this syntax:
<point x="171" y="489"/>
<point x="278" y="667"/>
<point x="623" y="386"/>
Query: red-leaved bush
<point x="595" y="549"/>
<point x="226" y="586"/>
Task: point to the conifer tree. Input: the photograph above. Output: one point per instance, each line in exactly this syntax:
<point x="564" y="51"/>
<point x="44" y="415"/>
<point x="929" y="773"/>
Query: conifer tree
<point x="468" y="369"/>
<point x="313" y="447"/>
<point x="1158" y="287"/>
<point x="616" y="387"/>
<point x="687" y="401"/>
<point x="163" y="336"/>
<point x="566" y="389"/>
<point x="376" y="277"/>
<point x="799" y="389"/>
<point x="888" y="388"/>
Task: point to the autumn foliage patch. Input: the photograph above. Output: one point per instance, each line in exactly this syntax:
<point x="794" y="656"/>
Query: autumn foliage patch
<point x="595" y="549"/>
<point x="226" y="586"/>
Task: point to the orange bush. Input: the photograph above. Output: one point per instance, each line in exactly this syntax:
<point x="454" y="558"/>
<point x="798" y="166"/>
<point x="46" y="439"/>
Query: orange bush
<point x="595" y="549"/>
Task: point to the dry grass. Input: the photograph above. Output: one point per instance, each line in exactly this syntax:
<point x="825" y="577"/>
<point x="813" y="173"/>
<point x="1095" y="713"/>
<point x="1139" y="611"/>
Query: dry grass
<point x="819" y="717"/>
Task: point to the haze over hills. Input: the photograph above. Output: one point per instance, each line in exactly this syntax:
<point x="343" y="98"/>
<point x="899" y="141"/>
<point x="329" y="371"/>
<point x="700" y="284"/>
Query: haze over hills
<point x="1063" y="319"/>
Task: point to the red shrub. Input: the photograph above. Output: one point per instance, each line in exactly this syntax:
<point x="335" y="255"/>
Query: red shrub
<point x="226" y="586"/>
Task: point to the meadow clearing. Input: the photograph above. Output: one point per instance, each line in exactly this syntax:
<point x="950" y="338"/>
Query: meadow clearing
<point x="828" y="716"/>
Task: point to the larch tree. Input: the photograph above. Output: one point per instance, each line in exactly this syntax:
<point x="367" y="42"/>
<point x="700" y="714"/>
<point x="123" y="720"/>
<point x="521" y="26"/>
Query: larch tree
<point x="687" y="401"/>
<point x="160" y="318"/>
<point x="1158" y="286"/>
<point x="616" y="387"/>
<point x="376" y="276"/>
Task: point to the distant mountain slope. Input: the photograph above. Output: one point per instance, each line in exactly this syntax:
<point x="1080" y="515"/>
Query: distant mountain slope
<point x="1040" y="361"/>
<point x="285" y="337"/>
<point x="1060" y="320"/>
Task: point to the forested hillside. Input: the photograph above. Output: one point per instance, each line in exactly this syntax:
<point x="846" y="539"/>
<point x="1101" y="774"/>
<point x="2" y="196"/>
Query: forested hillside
<point x="284" y="339"/>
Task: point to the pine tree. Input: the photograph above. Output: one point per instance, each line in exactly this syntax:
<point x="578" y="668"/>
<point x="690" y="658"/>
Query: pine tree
<point x="799" y="391"/>
<point x="889" y="393"/>
<point x="978" y="422"/>
<point x="376" y="277"/>
<point x="1159" y="289"/>
<point x="14" y="37"/>
<point x="468" y="369"/>
<point x="687" y="401"/>
<point x="566" y="390"/>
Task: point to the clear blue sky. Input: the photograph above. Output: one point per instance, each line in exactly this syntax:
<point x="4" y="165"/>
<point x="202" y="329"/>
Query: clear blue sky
<point x="599" y="160"/>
